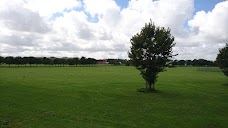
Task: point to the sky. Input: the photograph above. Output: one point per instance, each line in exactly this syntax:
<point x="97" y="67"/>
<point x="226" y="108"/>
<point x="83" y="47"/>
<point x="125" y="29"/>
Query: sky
<point x="103" y="28"/>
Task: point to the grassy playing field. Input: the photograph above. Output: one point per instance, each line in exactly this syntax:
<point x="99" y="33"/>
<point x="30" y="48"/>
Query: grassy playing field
<point x="106" y="96"/>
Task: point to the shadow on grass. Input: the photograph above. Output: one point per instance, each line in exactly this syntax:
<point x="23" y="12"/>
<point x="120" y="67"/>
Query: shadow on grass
<point x="225" y="84"/>
<point x="144" y="90"/>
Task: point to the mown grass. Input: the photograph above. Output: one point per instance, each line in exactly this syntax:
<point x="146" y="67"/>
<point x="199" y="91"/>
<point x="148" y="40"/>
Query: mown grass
<point x="106" y="96"/>
<point x="209" y="69"/>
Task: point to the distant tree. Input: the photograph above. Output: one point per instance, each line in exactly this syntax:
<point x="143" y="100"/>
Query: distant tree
<point x="211" y="63"/>
<point x="111" y="61"/>
<point x="9" y="60"/>
<point x="150" y="51"/>
<point x="1" y="60"/>
<point x="31" y="60"/>
<point x="189" y="62"/>
<point x="70" y="61"/>
<point x="118" y="62"/>
<point x="51" y="61"/>
<point x="56" y="61"/>
<point x="222" y="59"/>
<point x="174" y="62"/>
<point x="195" y="62"/>
<point x="25" y="60"/>
<point x="202" y="62"/>
<point x="76" y="61"/>
<point x="181" y="62"/>
<point x="38" y="60"/>
<point x="127" y="63"/>
<point x="83" y="60"/>
<point x="63" y="61"/>
<point x="18" y="60"/>
<point x="46" y="61"/>
<point x="91" y="61"/>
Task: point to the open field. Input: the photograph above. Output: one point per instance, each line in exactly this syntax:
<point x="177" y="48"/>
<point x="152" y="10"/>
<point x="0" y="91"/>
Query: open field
<point x="106" y="96"/>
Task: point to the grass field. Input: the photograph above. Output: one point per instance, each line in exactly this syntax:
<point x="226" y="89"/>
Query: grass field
<point x="106" y="96"/>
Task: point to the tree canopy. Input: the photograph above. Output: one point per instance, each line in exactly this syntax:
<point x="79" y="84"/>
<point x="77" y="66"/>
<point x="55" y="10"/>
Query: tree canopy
<point x="151" y="51"/>
<point x="222" y="59"/>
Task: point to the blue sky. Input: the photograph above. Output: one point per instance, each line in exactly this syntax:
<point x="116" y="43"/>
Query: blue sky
<point x="206" y="5"/>
<point x="122" y="3"/>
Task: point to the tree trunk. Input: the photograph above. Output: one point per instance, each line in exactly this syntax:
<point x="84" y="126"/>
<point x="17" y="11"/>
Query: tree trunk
<point x="151" y="87"/>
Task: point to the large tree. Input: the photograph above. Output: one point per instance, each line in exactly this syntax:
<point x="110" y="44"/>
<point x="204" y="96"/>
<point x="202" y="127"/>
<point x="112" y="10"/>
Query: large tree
<point x="151" y="51"/>
<point x="222" y="59"/>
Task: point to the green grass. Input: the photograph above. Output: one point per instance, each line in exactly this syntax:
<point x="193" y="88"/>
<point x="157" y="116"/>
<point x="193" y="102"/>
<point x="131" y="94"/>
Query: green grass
<point x="106" y="96"/>
<point x="209" y="69"/>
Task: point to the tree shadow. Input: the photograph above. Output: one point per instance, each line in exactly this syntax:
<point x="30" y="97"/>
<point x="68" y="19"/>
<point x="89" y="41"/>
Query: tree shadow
<point x="144" y="90"/>
<point x="225" y="84"/>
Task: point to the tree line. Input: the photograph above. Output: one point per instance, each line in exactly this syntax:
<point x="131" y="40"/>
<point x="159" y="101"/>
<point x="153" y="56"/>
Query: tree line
<point x="195" y="62"/>
<point x="54" y="61"/>
<point x="60" y="62"/>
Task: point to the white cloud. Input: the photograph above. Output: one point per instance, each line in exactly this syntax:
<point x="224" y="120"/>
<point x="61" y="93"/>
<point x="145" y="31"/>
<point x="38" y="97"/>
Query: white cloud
<point x="165" y="13"/>
<point x="100" y="7"/>
<point x="212" y="26"/>
<point x="208" y="32"/>
<point x="22" y="19"/>
<point x="101" y="29"/>
<point x="49" y="7"/>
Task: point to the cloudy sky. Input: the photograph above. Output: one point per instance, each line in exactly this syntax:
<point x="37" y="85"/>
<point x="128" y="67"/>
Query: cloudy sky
<point x="103" y="28"/>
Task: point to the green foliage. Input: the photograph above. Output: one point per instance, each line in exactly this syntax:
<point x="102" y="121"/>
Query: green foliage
<point x="150" y="51"/>
<point x="222" y="59"/>
<point x="46" y="61"/>
<point x="106" y="97"/>
<point x="9" y="60"/>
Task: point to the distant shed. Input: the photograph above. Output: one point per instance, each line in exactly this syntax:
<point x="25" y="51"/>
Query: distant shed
<point x="101" y="62"/>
